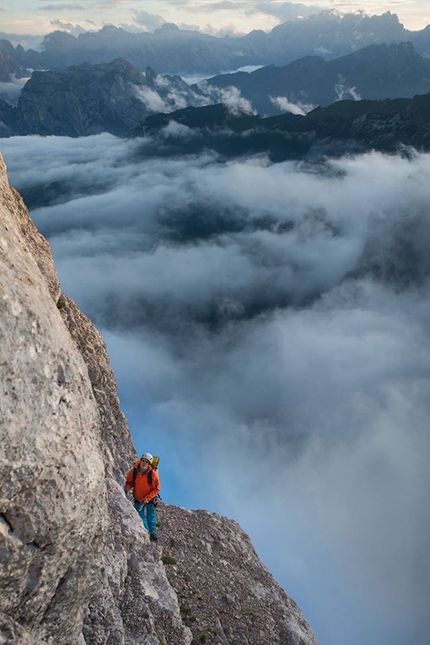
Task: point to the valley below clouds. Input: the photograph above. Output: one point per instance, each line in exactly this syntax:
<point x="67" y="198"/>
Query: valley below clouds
<point x="269" y="328"/>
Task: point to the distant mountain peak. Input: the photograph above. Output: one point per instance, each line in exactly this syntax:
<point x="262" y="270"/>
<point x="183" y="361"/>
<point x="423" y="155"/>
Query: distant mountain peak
<point x="167" y="27"/>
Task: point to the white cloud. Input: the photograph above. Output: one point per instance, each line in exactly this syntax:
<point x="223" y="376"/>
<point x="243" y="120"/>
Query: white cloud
<point x="168" y="97"/>
<point x="343" y="92"/>
<point x="231" y="97"/>
<point x="286" y="10"/>
<point x="179" y="131"/>
<point x="268" y="323"/>
<point x="149" y="21"/>
<point x="11" y="91"/>
<point x="285" y="105"/>
<point x="69" y="27"/>
<point x="151" y="99"/>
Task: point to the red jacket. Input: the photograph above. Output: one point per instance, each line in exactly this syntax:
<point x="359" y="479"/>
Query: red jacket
<point x="143" y="491"/>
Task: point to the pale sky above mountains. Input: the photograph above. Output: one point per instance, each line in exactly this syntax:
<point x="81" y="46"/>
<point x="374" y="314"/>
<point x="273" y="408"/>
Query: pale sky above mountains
<point x="219" y="17"/>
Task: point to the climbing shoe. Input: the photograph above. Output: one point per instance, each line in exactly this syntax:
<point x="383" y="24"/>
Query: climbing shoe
<point x="153" y="537"/>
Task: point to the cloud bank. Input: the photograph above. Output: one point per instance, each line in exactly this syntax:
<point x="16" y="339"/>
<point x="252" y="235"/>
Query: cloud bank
<point x="10" y="91"/>
<point x="268" y="325"/>
<point x="285" y="105"/>
<point x="149" y="21"/>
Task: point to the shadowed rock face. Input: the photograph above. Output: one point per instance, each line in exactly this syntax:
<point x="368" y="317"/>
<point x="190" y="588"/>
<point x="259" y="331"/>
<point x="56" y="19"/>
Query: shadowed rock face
<point x="88" y="99"/>
<point x="82" y="100"/>
<point x="76" y="562"/>
<point x="8" y="65"/>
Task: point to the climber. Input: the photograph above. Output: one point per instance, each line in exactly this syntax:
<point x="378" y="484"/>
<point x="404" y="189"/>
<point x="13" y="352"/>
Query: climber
<point x="144" y="480"/>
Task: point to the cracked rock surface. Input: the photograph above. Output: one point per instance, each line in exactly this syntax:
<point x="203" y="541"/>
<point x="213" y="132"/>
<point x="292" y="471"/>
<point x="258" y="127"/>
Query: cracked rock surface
<point x="52" y="492"/>
<point x="226" y="594"/>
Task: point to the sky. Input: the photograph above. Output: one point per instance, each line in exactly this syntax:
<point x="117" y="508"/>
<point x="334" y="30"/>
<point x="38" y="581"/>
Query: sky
<point x="268" y="327"/>
<point x="216" y="17"/>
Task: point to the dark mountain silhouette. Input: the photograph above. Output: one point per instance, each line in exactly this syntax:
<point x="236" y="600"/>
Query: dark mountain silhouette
<point x="343" y="127"/>
<point x="375" y="72"/>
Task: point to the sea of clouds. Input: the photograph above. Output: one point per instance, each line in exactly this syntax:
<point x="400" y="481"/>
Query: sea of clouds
<point x="269" y="328"/>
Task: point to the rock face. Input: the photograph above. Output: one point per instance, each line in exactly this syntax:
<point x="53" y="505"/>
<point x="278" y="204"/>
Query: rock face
<point x="88" y="99"/>
<point x="76" y="564"/>
<point x="9" y="65"/>
<point x="225" y="594"/>
<point x="53" y="511"/>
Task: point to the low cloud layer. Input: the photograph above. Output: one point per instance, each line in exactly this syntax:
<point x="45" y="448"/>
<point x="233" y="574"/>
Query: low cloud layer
<point x="285" y="105"/>
<point x="268" y="325"/>
<point x="10" y="91"/>
<point x="230" y="96"/>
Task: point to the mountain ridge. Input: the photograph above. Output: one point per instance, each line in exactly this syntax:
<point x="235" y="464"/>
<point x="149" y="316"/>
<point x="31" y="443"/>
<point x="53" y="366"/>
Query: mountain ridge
<point x="345" y="127"/>
<point x="116" y="97"/>
<point x="375" y="72"/>
<point x="176" y="51"/>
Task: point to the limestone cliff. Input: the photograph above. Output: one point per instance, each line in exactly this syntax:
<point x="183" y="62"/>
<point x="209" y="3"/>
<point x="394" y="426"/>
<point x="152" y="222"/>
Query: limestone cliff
<point x="76" y="564"/>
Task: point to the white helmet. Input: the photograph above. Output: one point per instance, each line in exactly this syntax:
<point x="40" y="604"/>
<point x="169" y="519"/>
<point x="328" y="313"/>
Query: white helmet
<point x="147" y="456"/>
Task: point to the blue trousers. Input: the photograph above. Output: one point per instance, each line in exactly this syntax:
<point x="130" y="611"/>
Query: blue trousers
<point x="148" y="515"/>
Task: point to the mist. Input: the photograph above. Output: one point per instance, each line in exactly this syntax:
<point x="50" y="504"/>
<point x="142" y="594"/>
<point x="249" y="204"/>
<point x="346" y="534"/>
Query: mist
<point x="10" y="91"/>
<point x="268" y="325"/>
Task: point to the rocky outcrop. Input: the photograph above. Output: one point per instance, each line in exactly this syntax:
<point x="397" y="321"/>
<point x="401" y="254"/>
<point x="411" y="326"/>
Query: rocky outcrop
<point x="226" y="595"/>
<point x="77" y="566"/>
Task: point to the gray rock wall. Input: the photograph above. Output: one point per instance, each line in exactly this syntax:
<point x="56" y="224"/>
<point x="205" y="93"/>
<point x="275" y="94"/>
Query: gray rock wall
<point x="52" y="490"/>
